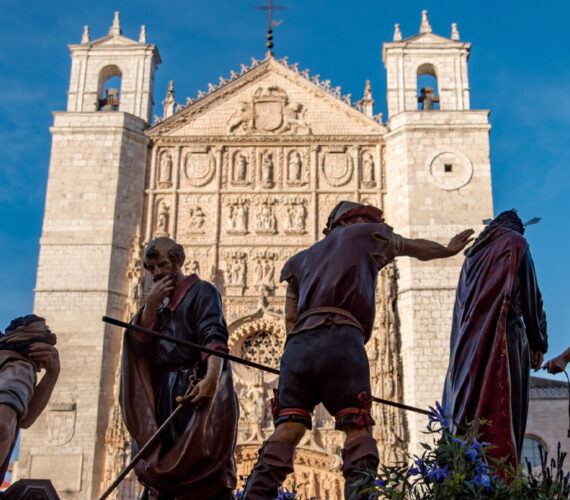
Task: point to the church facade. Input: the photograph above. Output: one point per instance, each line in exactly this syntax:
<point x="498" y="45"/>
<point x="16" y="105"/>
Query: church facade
<point x="244" y="177"/>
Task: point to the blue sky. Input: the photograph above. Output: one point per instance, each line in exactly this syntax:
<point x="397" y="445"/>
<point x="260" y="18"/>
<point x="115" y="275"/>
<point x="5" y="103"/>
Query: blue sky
<point x="519" y="69"/>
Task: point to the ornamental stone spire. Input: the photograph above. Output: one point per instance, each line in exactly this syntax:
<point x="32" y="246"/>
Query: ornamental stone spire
<point x="367" y="101"/>
<point x="115" y="29"/>
<point x="425" y="27"/>
<point x="169" y="103"/>
<point x="142" y="35"/>
<point x="397" y="33"/>
<point x="454" y="31"/>
<point x="85" y="36"/>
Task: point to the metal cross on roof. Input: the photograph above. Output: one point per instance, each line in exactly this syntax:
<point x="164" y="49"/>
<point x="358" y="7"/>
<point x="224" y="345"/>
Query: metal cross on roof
<point x="270" y="22"/>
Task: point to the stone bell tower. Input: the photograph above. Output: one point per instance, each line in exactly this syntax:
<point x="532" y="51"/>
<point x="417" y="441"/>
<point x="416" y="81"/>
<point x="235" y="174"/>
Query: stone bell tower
<point x="438" y="183"/>
<point x="93" y="206"/>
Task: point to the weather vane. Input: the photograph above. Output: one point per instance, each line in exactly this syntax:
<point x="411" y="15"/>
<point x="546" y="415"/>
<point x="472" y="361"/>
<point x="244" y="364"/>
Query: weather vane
<point x="270" y="22"/>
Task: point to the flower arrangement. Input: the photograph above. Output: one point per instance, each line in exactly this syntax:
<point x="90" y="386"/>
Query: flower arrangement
<point x="455" y="466"/>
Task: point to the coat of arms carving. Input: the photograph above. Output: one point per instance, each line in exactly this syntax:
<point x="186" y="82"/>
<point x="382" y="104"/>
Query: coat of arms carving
<point x="268" y="112"/>
<point x="60" y="423"/>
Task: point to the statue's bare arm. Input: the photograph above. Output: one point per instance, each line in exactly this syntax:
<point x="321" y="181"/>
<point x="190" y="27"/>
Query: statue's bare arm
<point x="291" y="304"/>
<point x="428" y="250"/>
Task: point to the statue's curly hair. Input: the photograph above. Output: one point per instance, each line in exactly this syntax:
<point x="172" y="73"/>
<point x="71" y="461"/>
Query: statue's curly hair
<point x="23" y="321"/>
<point x="175" y="252"/>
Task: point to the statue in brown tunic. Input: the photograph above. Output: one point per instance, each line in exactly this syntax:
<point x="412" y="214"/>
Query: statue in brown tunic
<point x="194" y="459"/>
<point x="329" y="310"/>
<point x="498" y="333"/>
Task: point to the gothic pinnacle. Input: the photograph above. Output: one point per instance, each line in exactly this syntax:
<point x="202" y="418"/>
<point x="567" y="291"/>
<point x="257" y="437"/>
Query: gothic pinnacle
<point x="454" y="31"/>
<point x="169" y="103"/>
<point x="142" y="35"/>
<point x="425" y="26"/>
<point x="85" y="36"/>
<point x="115" y="29"/>
<point x="397" y="33"/>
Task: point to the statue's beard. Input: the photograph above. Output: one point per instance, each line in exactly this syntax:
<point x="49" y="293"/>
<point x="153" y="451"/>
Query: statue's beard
<point x="158" y="277"/>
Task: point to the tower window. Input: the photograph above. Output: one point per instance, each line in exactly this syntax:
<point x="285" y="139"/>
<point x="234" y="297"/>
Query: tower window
<point x="109" y="89"/>
<point x="428" y="98"/>
<point x="447" y="167"/>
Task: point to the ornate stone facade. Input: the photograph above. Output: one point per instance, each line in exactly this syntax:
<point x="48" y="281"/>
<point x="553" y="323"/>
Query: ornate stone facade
<point x="244" y="177"/>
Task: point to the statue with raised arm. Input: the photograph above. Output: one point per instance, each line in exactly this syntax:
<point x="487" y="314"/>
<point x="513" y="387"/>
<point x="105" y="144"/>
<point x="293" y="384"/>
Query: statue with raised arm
<point x="329" y="314"/>
<point x="26" y="348"/>
<point x="498" y="334"/>
<point x="194" y="459"/>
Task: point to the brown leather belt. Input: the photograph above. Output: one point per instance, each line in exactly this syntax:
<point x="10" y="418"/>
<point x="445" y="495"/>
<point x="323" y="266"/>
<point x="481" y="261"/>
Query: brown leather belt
<point x="330" y="310"/>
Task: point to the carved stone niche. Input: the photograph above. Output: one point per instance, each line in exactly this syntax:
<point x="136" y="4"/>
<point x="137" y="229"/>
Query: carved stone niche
<point x="267" y="163"/>
<point x="367" y="169"/>
<point x="265" y="220"/>
<point x="242" y="166"/>
<point x="165" y="166"/>
<point x="337" y="165"/>
<point x="199" y="164"/>
<point x="296" y="215"/>
<point x="235" y="272"/>
<point x="237" y="220"/>
<point x="297" y="168"/>
<point x="162" y="218"/>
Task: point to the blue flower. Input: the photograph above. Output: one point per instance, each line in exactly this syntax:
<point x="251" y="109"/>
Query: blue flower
<point x="438" y="415"/>
<point x="414" y="471"/>
<point x="239" y="495"/>
<point x="379" y="482"/>
<point x="421" y="466"/>
<point x="438" y="473"/>
<point x="471" y="454"/>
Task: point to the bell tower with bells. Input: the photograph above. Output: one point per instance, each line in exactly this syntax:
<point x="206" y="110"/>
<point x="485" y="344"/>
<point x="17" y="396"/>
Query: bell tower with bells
<point x="93" y="205"/>
<point x="438" y="184"/>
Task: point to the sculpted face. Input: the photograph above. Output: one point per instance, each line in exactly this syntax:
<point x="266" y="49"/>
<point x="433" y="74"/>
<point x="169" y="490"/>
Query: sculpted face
<point x="161" y="260"/>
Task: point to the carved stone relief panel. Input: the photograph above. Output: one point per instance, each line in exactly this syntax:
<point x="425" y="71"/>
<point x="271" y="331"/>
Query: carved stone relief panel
<point x="326" y="203"/>
<point x="268" y="112"/>
<point x="337" y="165"/>
<point x="162" y="217"/>
<point x="60" y="423"/>
<point x="296" y="171"/>
<point x="235" y="269"/>
<point x="368" y="170"/>
<point x="198" y="166"/>
<point x="235" y="214"/>
<point x="265" y="220"/>
<point x="296" y="215"/>
<point x="196" y="215"/>
<point x="134" y="277"/>
<point x="199" y="261"/>
<point x="264" y="270"/>
<point x="165" y="168"/>
<point x="371" y="199"/>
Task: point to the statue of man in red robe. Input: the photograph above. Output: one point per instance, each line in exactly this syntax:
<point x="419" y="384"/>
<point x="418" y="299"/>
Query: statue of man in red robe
<point x="498" y="333"/>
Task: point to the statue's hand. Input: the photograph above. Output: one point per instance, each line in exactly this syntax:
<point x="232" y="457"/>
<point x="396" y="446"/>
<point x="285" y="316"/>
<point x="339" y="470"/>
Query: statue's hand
<point x="204" y="389"/>
<point x="45" y="356"/>
<point x="555" y="365"/>
<point x="536" y="359"/>
<point x="160" y="290"/>
<point x="460" y="241"/>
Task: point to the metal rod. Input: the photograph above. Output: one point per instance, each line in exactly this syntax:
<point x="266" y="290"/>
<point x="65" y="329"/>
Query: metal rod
<point x="142" y="452"/>
<point x="239" y="360"/>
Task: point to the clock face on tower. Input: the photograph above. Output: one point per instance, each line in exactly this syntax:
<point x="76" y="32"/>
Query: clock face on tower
<point x="449" y="170"/>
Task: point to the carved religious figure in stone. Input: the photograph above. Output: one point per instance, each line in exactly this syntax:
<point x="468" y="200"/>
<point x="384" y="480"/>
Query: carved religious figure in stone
<point x="240" y="169"/>
<point x="294" y="168"/>
<point x="236" y="272"/>
<point x="196" y="219"/>
<point x="252" y="403"/>
<point x="295" y="218"/>
<point x="368" y="170"/>
<point x="165" y="171"/>
<point x="266" y="222"/>
<point x="267" y="170"/>
<point x="162" y="220"/>
<point x="237" y="220"/>
<point x="192" y="267"/>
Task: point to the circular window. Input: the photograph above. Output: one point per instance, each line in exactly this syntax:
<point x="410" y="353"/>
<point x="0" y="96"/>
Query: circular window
<point x="449" y="171"/>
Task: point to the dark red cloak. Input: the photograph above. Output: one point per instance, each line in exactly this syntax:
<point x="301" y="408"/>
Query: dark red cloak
<point x="489" y="355"/>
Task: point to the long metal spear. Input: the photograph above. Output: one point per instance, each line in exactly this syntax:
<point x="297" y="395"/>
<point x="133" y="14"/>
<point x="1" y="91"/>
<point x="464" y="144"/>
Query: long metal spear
<point x="239" y="360"/>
